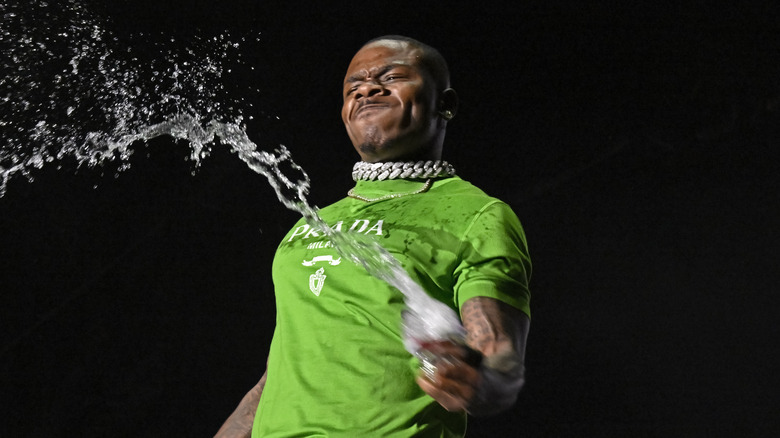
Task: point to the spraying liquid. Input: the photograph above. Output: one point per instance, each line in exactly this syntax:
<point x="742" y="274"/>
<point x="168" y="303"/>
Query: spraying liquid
<point x="70" y="90"/>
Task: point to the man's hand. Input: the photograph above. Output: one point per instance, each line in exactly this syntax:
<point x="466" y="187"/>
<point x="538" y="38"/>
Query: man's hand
<point x="484" y="377"/>
<point x="450" y="374"/>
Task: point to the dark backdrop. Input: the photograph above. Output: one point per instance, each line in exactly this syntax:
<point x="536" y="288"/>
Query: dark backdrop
<point x="636" y="144"/>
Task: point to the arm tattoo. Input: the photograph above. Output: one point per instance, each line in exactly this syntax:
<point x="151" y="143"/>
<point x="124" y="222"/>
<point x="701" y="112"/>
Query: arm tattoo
<point x="240" y="422"/>
<point x="486" y="325"/>
<point x="498" y="331"/>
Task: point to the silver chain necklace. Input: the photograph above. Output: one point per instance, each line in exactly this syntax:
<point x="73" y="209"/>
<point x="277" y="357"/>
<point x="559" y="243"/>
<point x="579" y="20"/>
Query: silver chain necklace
<point x="401" y="170"/>
<point x="427" y="186"/>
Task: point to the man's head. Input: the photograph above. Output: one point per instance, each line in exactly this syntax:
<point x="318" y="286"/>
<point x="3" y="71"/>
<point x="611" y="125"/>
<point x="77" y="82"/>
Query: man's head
<point x="397" y="100"/>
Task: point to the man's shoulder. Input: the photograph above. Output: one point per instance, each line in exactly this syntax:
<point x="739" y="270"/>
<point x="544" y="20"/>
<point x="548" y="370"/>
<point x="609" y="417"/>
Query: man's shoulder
<point x="458" y="186"/>
<point x="456" y="189"/>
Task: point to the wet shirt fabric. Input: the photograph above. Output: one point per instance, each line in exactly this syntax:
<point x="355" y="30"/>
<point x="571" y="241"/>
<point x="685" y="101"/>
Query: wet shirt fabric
<point x="337" y="366"/>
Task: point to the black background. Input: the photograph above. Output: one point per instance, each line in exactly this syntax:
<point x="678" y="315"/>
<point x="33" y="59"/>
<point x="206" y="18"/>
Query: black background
<point x="635" y="142"/>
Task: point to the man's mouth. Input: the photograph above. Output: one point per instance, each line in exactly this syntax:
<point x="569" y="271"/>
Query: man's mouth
<point x="370" y="107"/>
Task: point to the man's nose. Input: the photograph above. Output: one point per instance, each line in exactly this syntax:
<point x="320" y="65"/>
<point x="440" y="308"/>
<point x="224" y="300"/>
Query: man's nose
<point x="370" y="88"/>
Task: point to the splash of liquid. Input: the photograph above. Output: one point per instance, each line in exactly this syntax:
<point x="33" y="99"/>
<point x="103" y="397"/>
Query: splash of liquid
<point x="70" y="89"/>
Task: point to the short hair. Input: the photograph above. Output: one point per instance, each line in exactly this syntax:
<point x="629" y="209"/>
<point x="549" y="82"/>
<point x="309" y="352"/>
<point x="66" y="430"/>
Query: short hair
<point x="432" y="61"/>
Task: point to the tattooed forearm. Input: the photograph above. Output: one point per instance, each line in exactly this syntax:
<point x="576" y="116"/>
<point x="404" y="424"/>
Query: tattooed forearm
<point x="487" y="327"/>
<point x="498" y="331"/>
<point x="239" y="424"/>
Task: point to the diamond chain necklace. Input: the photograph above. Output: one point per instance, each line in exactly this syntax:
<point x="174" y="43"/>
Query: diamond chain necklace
<point x="401" y="170"/>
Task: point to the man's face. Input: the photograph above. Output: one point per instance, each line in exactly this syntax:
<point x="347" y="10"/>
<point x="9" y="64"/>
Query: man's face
<point x="390" y="109"/>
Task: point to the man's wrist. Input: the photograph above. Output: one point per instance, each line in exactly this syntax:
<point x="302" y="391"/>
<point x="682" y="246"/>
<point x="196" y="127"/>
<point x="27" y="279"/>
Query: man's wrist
<point x="501" y="377"/>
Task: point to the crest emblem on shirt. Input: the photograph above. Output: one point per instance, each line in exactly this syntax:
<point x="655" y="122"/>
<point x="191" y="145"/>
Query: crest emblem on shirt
<point x="316" y="281"/>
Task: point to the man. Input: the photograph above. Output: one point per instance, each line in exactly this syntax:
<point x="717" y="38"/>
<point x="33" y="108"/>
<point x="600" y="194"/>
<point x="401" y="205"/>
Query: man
<point x="337" y="365"/>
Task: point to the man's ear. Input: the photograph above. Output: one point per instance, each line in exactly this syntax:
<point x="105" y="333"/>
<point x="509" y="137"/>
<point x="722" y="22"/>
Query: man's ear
<point x="448" y="104"/>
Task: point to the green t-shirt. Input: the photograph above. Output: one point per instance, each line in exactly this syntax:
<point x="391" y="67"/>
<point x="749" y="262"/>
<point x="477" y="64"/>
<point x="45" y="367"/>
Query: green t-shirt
<point x="337" y="366"/>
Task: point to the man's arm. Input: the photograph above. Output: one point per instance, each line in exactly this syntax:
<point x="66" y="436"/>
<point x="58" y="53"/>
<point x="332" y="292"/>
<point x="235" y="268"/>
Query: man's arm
<point x="239" y="424"/>
<point x="496" y="330"/>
